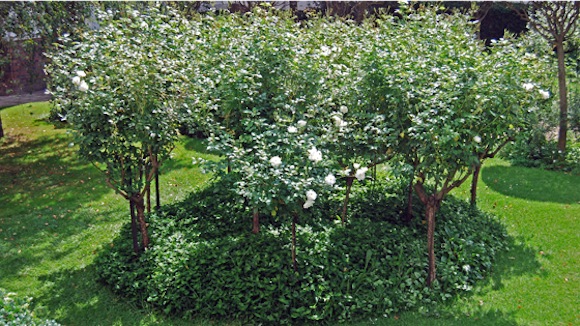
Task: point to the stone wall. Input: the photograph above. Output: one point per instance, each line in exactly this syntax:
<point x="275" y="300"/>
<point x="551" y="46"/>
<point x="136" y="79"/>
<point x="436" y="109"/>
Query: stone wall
<point x="24" y="73"/>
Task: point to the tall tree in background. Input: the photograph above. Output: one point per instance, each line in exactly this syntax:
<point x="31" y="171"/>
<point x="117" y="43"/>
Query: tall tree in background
<point x="556" y="22"/>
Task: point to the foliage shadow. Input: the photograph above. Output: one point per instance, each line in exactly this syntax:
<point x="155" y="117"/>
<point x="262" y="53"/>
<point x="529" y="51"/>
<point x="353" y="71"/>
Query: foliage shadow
<point x="532" y="184"/>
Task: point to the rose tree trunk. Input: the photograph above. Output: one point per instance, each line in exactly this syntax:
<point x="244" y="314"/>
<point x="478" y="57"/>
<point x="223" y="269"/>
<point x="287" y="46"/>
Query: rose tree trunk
<point x="139" y="202"/>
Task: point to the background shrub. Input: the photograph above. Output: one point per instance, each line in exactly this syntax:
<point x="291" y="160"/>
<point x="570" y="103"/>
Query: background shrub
<point x="538" y="152"/>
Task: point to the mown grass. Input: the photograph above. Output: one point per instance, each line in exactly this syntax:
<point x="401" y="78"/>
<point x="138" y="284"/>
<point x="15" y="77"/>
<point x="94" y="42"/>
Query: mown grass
<point x="56" y="213"/>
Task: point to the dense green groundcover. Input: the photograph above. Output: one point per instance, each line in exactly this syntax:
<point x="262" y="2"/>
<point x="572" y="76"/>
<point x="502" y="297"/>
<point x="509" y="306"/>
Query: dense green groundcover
<point x="205" y="262"/>
<point x="16" y="311"/>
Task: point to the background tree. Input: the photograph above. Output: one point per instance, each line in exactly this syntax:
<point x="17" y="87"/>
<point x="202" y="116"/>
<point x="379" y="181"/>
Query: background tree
<point x="556" y="21"/>
<point x="511" y="96"/>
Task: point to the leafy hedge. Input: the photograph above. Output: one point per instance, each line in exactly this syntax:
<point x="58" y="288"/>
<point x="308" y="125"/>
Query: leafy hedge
<point x="538" y="152"/>
<point x="15" y="311"/>
<point x="204" y="261"/>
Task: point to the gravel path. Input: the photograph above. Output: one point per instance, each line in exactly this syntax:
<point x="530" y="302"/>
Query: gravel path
<point x="11" y="100"/>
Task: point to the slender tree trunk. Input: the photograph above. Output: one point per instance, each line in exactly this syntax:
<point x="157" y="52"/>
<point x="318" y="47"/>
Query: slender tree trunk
<point x="294" y="264"/>
<point x="474" y="182"/>
<point x="256" y="222"/>
<point x="563" y="93"/>
<point x="139" y="202"/>
<point x="157" y="197"/>
<point x="432" y="207"/>
<point x="409" y="213"/>
<point x="134" y="231"/>
<point x="148" y="194"/>
<point x="1" y="128"/>
<point x="349" y="181"/>
<point x="148" y="188"/>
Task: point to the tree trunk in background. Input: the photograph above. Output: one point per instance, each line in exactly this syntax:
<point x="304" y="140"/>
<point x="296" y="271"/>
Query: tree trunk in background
<point x="256" y="222"/>
<point x="294" y="264"/>
<point x="1" y="128"/>
<point x="157" y="197"/>
<point x="409" y="213"/>
<point x="349" y="181"/>
<point x="474" y="182"/>
<point x="563" y="92"/>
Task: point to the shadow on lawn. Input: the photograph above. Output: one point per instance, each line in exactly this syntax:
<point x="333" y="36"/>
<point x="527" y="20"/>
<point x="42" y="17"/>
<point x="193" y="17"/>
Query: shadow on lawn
<point x="532" y="184"/>
<point x="45" y="172"/>
<point x="518" y="261"/>
<point x="77" y="299"/>
<point x="43" y="187"/>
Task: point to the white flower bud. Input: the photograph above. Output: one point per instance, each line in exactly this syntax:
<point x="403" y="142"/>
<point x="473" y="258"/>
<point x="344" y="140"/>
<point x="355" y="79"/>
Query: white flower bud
<point x="276" y="161"/>
<point x="76" y="80"/>
<point x="330" y="179"/>
<point x="528" y="86"/>
<point x="311" y="195"/>
<point x="314" y="155"/>
<point x="83" y="87"/>
<point x="360" y="174"/>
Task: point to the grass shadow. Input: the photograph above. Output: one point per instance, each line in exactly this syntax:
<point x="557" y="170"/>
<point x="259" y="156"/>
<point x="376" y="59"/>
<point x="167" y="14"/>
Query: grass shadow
<point x="519" y="260"/>
<point x="43" y="187"/>
<point x="75" y="296"/>
<point x="533" y="184"/>
<point x="482" y="318"/>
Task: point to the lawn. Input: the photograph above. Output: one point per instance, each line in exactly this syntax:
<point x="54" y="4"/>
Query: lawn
<point x="56" y="213"/>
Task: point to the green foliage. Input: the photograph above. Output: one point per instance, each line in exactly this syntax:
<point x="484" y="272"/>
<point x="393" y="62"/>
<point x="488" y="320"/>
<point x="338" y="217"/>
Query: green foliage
<point x="204" y="262"/>
<point x="15" y="311"/>
<point x="538" y="152"/>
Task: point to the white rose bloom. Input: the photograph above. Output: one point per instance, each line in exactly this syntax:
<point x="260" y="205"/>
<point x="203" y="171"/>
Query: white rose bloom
<point x="339" y="122"/>
<point x="545" y="95"/>
<point x="301" y="123"/>
<point x="311" y="195"/>
<point x="330" y="179"/>
<point x="76" y="80"/>
<point x="81" y="73"/>
<point x="314" y="155"/>
<point x="83" y="87"/>
<point x="308" y="204"/>
<point x="276" y="161"/>
<point x="325" y="50"/>
<point x="343" y="109"/>
<point x="356" y="166"/>
<point x="528" y="86"/>
<point x="144" y="25"/>
<point x="360" y="174"/>
<point x="477" y="139"/>
<point x="346" y="172"/>
<point x="292" y="130"/>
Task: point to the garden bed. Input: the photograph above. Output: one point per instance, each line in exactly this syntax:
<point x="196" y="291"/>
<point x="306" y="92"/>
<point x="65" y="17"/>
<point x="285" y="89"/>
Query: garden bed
<point x="204" y="260"/>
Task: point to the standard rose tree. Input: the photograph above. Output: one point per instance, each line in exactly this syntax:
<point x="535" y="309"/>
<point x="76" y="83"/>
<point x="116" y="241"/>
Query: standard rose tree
<point x="119" y="87"/>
